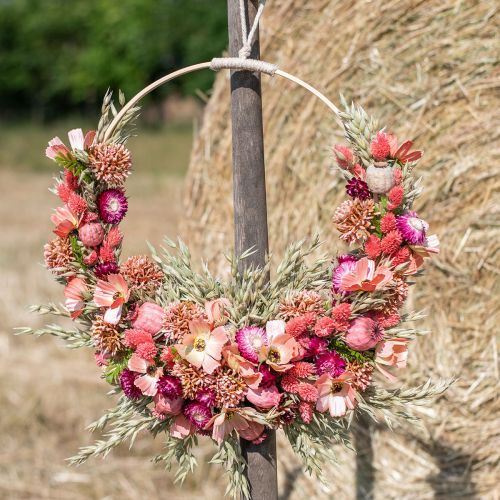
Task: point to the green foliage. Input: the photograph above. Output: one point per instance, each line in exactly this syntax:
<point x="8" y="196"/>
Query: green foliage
<point x="56" y="54"/>
<point x="115" y="368"/>
<point x="347" y="353"/>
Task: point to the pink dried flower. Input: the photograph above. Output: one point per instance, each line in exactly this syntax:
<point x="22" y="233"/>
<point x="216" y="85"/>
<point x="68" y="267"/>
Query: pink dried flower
<point x="75" y="292"/>
<point x="366" y="276"/>
<point x="302" y="369"/>
<point x="342" y="312"/>
<point x="112" y="205"/>
<point x="148" y="381"/>
<point x="147" y="350"/>
<point x="250" y="340"/>
<point x="264" y="397"/>
<point x="412" y="227"/>
<point x="301" y="303"/>
<point x="401" y="256"/>
<point x="396" y="195"/>
<point x="150" y="317"/>
<point x="364" y="333"/>
<point x="316" y="346"/>
<point x="114" y="237"/>
<point x="112" y="294"/>
<point x="290" y="383"/>
<point x="198" y="414"/>
<point x="372" y="247"/>
<point x="105" y="269"/>
<point x="353" y="219"/>
<point x="307" y="392"/>
<point x="393" y="352"/>
<point x="76" y="203"/>
<point x="325" y="326"/>
<point x="356" y="188"/>
<point x="106" y="254"/>
<point x="331" y="363"/>
<point x="380" y="146"/>
<point x="268" y="378"/>
<point x="281" y="348"/>
<point x="298" y="326"/>
<point x="388" y="222"/>
<point x="127" y="379"/>
<point x="346" y="263"/>
<point x="91" y="259"/>
<point x="64" y="192"/>
<point x="133" y="338"/>
<point x="91" y="235"/>
<point x="110" y="163"/>
<point x="398" y="175"/>
<point x="306" y="412"/>
<point x="178" y="315"/>
<point x="142" y="274"/>
<point x="361" y="375"/>
<point x="391" y="242"/>
<point x="65" y="221"/>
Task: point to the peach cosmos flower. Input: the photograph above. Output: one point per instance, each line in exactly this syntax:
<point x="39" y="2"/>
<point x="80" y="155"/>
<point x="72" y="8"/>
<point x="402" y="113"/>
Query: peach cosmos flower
<point x="238" y="419"/>
<point x="393" y="352"/>
<point x="365" y="276"/>
<point x="281" y="347"/>
<point x="148" y="382"/>
<point x="181" y="427"/>
<point x="65" y="221"/>
<point x="247" y="370"/>
<point x="336" y="395"/>
<point x="217" y="311"/>
<point x="202" y="347"/>
<point x="74" y="292"/>
<point x="112" y="294"/>
<point x="76" y="140"/>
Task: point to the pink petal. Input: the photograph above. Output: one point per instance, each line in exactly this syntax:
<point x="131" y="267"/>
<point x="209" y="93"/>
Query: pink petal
<point x="210" y="364"/>
<point x="113" y="315"/>
<point x="147" y="384"/>
<point x="76" y="138"/>
<point x="137" y="364"/>
<point x="274" y="328"/>
<point x="198" y="327"/>
<point x="181" y="427"/>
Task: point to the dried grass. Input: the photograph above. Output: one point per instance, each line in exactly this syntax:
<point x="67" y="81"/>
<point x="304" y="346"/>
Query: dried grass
<point x="430" y="71"/>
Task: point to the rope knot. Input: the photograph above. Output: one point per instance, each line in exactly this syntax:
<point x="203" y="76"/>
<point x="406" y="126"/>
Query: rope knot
<point x="245" y="51"/>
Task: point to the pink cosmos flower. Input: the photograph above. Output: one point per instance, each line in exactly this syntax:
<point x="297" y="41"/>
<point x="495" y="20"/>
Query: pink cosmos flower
<point x="76" y="139"/>
<point x="366" y="276"/>
<point x="281" y="347"/>
<point x="203" y="347"/>
<point x="217" y="311"/>
<point x="74" y="293"/>
<point x="264" y="397"/>
<point x="181" y="427"/>
<point x="238" y="419"/>
<point x="393" y="352"/>
<point x="148" y="382"/>
<point x="112" y="294"/>
<point x="65" y="221"/>
<point x="336" y="395"/>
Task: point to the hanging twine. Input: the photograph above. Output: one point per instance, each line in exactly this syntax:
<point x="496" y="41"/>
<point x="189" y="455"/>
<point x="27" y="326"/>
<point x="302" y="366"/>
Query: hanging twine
<point x="247" y="38"/>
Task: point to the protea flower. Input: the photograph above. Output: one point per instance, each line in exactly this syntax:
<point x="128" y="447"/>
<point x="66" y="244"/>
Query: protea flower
<point x="110" y="163"/>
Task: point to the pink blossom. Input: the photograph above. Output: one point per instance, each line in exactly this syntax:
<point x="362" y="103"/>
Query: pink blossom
<point x="203" y="347"/>
<point x="65" y="221"/>
<point x="264" y="397"/>
<point x="366" y="276"/>
<point x="74" y="292"/>
<point x="363" y="333"/>
<point x="148" y="382"/>
<point x="167" y="406"/>
<point x="112" y="294"/>
<point x="336" y="395"/>
<point x="393" y="352"/>
<point x="247" y="370"/>
<point x="181" y="427"/>
<point x="217" y="311"/>
<point x="238" y="419"/>
<point x="149" y="317"/>
<point x="76" y="139"/>
<point x="281" y="348"/>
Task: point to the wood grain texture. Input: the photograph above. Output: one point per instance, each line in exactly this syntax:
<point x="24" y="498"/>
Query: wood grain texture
<point x="250" y="214"/>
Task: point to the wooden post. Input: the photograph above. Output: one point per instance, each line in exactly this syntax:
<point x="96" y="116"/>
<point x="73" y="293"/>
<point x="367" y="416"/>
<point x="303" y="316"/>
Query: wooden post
<point x="250" y="214"/>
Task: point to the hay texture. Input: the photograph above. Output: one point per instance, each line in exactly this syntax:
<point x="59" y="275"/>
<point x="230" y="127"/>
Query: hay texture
<point x="429" y="70"/>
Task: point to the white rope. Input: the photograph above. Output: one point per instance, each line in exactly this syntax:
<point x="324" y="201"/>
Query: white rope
<point x="218" y="63"/>
<point x="247" y="39"/>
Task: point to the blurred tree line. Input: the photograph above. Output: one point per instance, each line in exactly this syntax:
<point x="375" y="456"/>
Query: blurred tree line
<point x="60" y="56"/>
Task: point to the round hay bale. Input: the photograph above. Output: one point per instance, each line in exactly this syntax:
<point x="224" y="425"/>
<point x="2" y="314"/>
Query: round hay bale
<point x="429" y="71"/>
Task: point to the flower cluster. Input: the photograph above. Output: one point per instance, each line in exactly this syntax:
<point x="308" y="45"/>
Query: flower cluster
<point x="193" y="366"/>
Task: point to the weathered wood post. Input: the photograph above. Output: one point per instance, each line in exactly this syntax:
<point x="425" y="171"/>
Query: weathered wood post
<point x="250" y="212"/>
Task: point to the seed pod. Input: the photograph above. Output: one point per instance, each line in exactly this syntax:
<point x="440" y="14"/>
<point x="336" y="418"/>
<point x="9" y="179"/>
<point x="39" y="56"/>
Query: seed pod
<point x="91" y="235"/>
<point x="380" y="180"/>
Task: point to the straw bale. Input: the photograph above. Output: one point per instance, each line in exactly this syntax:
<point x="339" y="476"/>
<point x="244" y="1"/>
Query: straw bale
<point x="428" y="70"/>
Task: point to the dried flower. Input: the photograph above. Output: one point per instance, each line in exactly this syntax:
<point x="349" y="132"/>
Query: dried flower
<point x="170" y="387"/>
<point x="76" y="203"/>
<point x="299" y="325"/>
<point x="127" y="379"/>
<point x="325" y="326"/>
<point x="331" y="363"/>
<point x="306" y="412"/>
<point x="307" y="392"/>
<point x="110" y="163"/>
<point x="106" y="268"/>
<point x="388" y="222"/>
<point x="361" y="375"/>
<point x="364" y="333"/>
<point x="302" y="369"/>
<point x="380" y="147"/>
<point x="106" y="337"/>
<point x="91" y="235"/>
<point x="353" y="219"/>
<point x="345" y="264"/>
<point x="58" y="254"/>
<point x="250" y="340"/>
<point x="396" y="195"/>
<point x="391" y="242"/>
<point x="372" y="247"/>
<point x="301" y="303"/>
<point x="192" y="379"/>
<point x="198" y="414"/>
<point x="412" y="228"/>
<point x="112" y="205"/>
<point x="343" y="155"/>
<point x="356" y="188"/>
<point x="149" y="317"/>
<point x="142" y="274"/>
<point x="178" y="316"/>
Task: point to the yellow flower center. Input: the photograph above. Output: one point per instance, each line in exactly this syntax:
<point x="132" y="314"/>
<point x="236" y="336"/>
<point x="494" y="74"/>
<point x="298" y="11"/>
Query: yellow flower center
<point x="199" y="344"/>
<point x="274" y="355"/>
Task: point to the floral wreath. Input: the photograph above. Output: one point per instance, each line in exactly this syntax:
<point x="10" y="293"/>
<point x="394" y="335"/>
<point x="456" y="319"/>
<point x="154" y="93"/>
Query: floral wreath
<point x="190" y="355"/>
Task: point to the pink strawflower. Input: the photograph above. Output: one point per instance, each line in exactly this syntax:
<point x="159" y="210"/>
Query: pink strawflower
<point x="364" y="333"/>
<point x="316" y="346"/>
<point x="206" y="396"/>
<point x="198" y="414"/>
<point x="412" y="228"/>
<point x="112" y="294"/>
<point x="325" y="326"/>
<point x="306" y="412"/>
<point x="307" y="392"/>
<point x="112" y="205"/>
<point x="251" y="340"/>
<point x="105" y="269"/>
<point x="147" y="350"/>
<point x="264" y="397"/>
<point x="345" y="264"/>
<point x="396" y="195"/>
<point x="388" y="222"/>
<point x="148" y="381"/>
<point x="380" y="147"/>
<point x="391" y="242"/>
<point x="366" y="276"/>
<point x="343" y="155"/>
<point x="335" y="395"/>
<point x="149" y="317"/>
<point x="201" y="347"/>
<point x="372" y="247"/>
<point x="75" y="292"/>
<point x="302" y="369"/>
<point x="268" y="378"/>
<point x="331" y="363"/>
